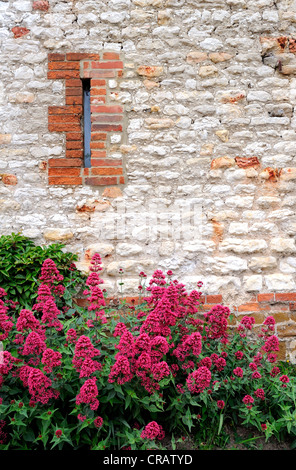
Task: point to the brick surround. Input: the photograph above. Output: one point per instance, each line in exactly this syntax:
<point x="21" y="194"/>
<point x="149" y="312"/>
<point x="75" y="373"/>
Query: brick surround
<point x="106" y="118"/>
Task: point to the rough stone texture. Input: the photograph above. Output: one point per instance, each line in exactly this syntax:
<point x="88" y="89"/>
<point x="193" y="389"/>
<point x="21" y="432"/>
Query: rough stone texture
<point x="208" y="92"/>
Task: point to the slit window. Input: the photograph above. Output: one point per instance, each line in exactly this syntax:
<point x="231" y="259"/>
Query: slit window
<point x="86" y="122"/>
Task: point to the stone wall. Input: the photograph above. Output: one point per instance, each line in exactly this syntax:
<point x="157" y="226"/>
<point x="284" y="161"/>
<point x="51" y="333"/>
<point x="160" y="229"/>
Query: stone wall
<point x="198" y="177"/>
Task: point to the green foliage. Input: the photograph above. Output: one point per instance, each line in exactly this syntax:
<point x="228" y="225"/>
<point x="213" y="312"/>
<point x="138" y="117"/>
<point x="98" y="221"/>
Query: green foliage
<point x="20" y="264"/>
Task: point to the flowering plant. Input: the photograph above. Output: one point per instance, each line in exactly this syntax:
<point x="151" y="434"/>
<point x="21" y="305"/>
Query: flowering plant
<point x="100" y="377"/>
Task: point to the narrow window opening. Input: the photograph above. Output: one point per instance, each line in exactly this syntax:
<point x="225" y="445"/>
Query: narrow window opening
<point x="86" y="122"/>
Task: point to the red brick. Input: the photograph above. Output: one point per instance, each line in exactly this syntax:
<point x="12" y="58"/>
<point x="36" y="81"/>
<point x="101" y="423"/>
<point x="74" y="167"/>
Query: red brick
<point x="106" y="127"/>
<point x="93" y="56"/>
<point x="64" y="171"/>
<point x="121" y="180"/>
<point x="106" y="118"/>
<point x="74" y="136"/>
<point x="74" y="153"/>
<point x="95" y="82"/>
<point x="65" y="162"/>
<point x="285" y="296"/>
<point x="63" y="65"/>
<point x="76" y="55"/>
<point x="249" y="307"/>
<point x="54" y="56"/>
<point x="99" y="74"/>
<point x="10" y="180"/>
<point x="73" y="82"/>
<point x="63" y="180"/>
<point x="42" y="5"/>
<point x="73" y="91"/>
<point x="65" y="110"/>
<point x="98" y="136"/>
<point x="101" y="180"/>
<point x="97" y="145"/>
<point x="247" y="162"/>
<point x="60" y="118"/>
<point x="98" y="91"/>
<point x="63" y="127"/>
<point x="98" y="154"/>
<point x="265" y="297"/>
<point x="74" y="145"/>
<point x="106" y="171"/>
<point x="60" y="74"/>
<point x="105" y="162"/>
<point x="106" y="109"/>
<point x="110" y="56"/>
<point x="214" y="299"/>
<point x="292" y="306"/>
<point x="74" y="99"/>
<point x="107" y="65"/>
<point x="19" y="31"/>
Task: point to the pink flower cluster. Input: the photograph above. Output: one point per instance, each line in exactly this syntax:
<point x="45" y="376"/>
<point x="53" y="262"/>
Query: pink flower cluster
<point x="51" y="359"/>
<point x="88" y="394"/>
<point x="246" y="323"/>
<point x="152" y="431"/>
<point x="84" y="354"/>
<point x="199" y="380"/>
<point x="96" y="297"/>
<point x="51" y="277"/>
<point x="40" y="386"/>
<point x="216" y="323"/>
<point x="145" y="355"/>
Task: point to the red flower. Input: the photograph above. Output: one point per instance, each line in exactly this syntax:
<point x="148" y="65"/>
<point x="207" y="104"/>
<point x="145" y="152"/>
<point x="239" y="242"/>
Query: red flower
<point x="248" y="400"/>
<point x="58" y="433"/>
<point x="152" y="431"/>
<point x="259" y="393"/>
<point x="88" y="394"/>
<point x="238" y="371"/>
<point x="198" y="380"/>
<point x="220" y="404"/>
<point x="98" y="422"/>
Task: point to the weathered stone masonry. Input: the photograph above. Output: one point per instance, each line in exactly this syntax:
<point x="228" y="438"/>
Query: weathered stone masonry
<point x="192" y="107"/>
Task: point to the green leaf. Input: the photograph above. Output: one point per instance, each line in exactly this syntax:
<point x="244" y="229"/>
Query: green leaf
<point x="220" y="423"/>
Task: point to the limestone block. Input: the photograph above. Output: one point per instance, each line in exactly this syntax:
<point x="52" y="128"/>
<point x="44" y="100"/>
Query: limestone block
<point x="279" y="282"/>
<point x="253" y="283"/>
<point x="58" y="234"/>
<point x="238" y="228"/>
<point x="128" y="249"/>
<point x="207" y="71"/>
<point x="103" y="249"/>
<point x="222" y="162"/>
<point x="283" y="245"/>
<point x="225" y="265"/>
<point x="259" y="263"/>
<point x="150" y="71"/>
<point x="195" y="57"/>
<point x="243" y="246"/>
<point x="154" y="123"/>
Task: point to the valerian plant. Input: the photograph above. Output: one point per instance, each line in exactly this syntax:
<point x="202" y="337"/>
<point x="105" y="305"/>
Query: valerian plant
<point x="130" y="377"/>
